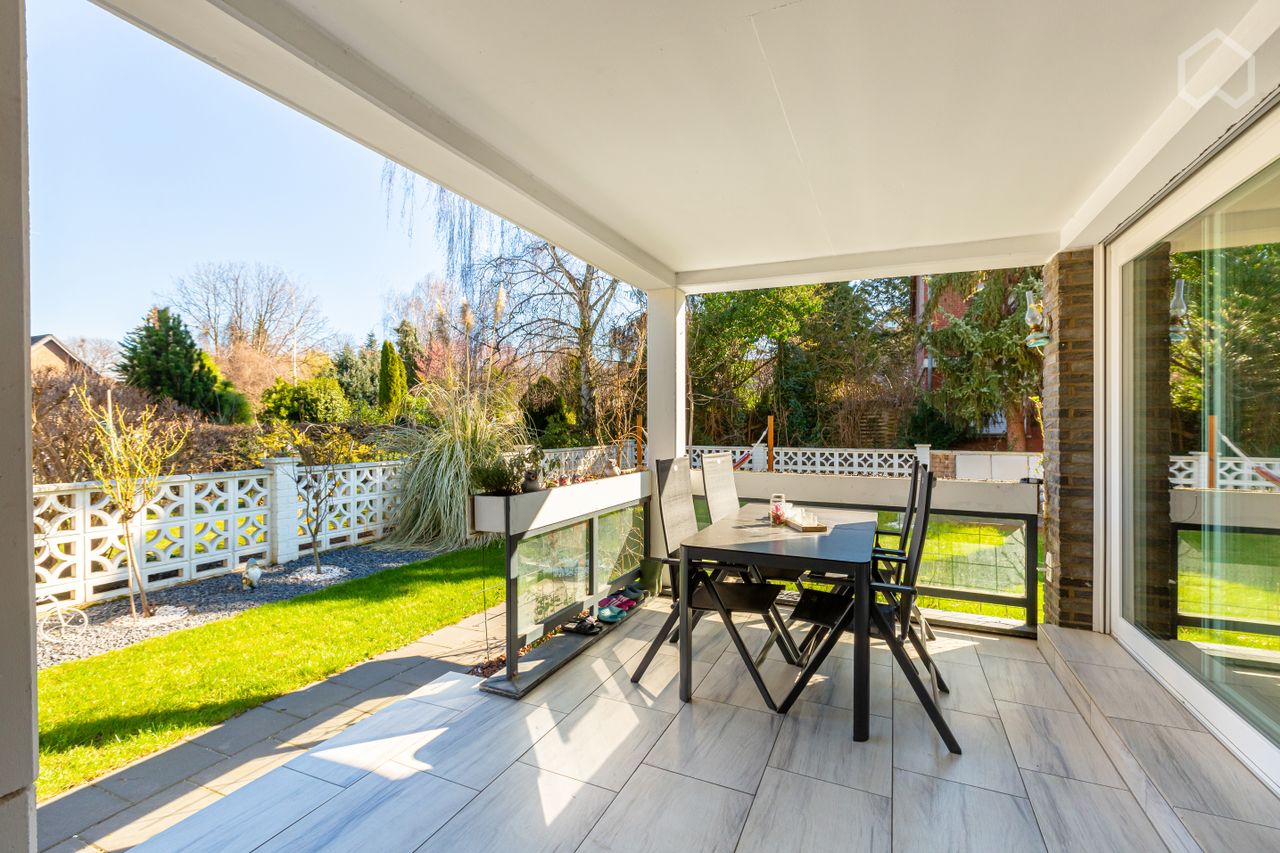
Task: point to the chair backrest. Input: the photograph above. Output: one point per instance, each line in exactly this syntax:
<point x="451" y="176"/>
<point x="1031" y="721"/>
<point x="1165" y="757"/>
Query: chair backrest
<point x="675" y="503"/>
<point x="909" y="513"/>
<point x="920" y="528"/>
<point x="718" y="483"/>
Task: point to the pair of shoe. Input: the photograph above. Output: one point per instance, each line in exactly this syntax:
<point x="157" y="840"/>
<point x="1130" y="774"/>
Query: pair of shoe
<point x="588" y="626"/>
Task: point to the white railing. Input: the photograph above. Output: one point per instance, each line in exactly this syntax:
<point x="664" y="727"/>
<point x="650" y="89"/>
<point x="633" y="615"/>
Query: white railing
<point x="570" y="461"/>
<point x="1233" y="473"/>
<point x="200" y="525"/>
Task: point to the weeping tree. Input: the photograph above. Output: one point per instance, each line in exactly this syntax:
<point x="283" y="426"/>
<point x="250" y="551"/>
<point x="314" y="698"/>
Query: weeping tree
<point x="135" y="454"/>
<point x="981" y="354"/>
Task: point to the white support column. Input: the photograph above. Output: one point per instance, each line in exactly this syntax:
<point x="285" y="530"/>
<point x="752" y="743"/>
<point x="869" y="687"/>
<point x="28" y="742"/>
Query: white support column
<point x="665" y="423"/>
<point x="666" y="434"/>
<point x="17" y="575"/>
<point x="282" y="503"/>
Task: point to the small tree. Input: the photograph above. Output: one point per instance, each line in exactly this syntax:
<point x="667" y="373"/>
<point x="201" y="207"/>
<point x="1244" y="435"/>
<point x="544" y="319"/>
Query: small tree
<point x="321" y="448"/>
<point x="393" y="386"/>
<point x="160" y="356"/>
<point x="135" y="455"/>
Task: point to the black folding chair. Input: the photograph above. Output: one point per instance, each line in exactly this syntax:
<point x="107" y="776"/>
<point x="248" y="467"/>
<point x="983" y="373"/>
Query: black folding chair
<point x="903" y="535"/>
<point x="830" y="614"/>
<point x="707" y="591"/>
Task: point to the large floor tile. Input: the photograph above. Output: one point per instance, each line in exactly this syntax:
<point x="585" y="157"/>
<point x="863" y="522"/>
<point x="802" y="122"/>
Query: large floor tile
<point x="398" y="730"/>
<point x="968" y="686"/>
<point x="525" y="809"/>
<point x="320" y="726"/>
<point x="577" y="680"/>
<point x="249" y="817"/>
<point x="1079" y="817"/>
<point x="730" y="682"/>
<point x="1193" y="770"/>
<point x="1133" y="695"/>
<point x="393" y="810"/>
<point x="455" y="690"/>
<point x="986" y="761"/>
<point x="938" y="816"/>
<point x="1008" y="647"/>
<point x="659" y="812"/>
<point x="710" y="640"/>
<point x="817" y="740"/>
<point x="951" y="647"/>
<point x="835" y="819"/>
<point x="601" y="742"/>
<point x="658" y="689"/>
<point x="832" y="684"/>
<point x="1220" y="833"/>
<point x="722" y="744"/>
<point x="1028" y="682"/>
<point x="1057" y="742"/>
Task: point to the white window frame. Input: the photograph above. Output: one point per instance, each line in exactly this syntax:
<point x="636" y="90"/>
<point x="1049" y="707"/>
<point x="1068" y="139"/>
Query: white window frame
<point x="1254" y="150"/>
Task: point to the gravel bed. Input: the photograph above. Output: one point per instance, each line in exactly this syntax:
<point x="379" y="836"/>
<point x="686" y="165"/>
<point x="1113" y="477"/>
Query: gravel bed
<point x="110" y="626"/>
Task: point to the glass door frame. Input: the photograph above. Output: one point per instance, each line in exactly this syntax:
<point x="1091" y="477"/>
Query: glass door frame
<point x="1253" y="151"/>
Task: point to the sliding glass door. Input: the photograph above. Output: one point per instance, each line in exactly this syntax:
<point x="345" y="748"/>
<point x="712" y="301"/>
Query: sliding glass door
<point x="1194" y="406"/>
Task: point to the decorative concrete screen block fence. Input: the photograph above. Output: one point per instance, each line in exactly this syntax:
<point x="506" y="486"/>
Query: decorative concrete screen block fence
<point x="568" y="461"/>
<point x="1192" y="472"/>
<point x="200" y="525"/>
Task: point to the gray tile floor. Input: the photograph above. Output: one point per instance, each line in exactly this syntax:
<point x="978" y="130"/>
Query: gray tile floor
<point x="591" y="762"/>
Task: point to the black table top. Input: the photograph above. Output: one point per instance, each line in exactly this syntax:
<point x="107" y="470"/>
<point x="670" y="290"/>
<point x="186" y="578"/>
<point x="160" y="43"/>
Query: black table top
<point x="748" y="538"/>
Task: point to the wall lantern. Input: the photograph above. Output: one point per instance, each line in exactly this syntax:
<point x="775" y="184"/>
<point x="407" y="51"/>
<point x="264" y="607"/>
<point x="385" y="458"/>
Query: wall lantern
<point x="1037" y="322"/>
<point x="1178" y="326"/>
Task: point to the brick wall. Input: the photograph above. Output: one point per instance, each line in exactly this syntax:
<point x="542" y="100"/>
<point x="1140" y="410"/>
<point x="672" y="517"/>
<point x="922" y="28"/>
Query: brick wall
<point x="943" y="464"/>
<point x="1069" y="438"/>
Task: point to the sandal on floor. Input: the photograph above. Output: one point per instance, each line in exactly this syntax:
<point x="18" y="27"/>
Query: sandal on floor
<point x="584" y="627"/>
<point x="611" y="614"/>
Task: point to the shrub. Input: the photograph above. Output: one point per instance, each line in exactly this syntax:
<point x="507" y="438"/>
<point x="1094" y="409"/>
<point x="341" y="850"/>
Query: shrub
<point x="500" y="475"/>
<point x="931" y="426"/>
<point x="318" y="400"/>
<point x="161" y="357"/>
<point x="62" y="433"/>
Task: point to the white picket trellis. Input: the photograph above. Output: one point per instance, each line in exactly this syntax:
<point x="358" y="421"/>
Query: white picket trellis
<point x="199" y="525"/>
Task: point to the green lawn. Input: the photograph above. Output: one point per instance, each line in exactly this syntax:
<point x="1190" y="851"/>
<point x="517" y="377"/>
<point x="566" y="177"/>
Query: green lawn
<point x="1229" y="575"/>
<point x="102" y="712"/>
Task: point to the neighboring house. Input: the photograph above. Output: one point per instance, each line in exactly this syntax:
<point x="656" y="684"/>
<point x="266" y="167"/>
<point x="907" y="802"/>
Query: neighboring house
<point x="49" y="352"/>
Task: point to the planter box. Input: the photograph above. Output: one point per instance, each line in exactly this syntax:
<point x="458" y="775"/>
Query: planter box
<point x="557" y="505"/>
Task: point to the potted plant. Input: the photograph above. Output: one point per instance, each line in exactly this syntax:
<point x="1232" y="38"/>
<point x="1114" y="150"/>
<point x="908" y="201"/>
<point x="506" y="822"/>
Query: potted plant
<point x="501" y="475"/>
<point x="533" y="470"/>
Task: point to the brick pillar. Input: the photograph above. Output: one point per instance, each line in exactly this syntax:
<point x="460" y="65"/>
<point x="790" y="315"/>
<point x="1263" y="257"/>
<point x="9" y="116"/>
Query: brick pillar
<point x="1069" y="439"/>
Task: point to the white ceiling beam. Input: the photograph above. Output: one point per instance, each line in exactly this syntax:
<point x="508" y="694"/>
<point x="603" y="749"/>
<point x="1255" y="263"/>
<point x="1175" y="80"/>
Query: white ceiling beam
<point x="1026" y="250"/>
<point x="277" y="51"/>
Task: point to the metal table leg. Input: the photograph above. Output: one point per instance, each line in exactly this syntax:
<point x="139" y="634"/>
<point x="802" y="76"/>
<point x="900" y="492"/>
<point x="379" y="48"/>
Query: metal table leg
<point x="685" y="648"/>
<point x="862" y="654"/>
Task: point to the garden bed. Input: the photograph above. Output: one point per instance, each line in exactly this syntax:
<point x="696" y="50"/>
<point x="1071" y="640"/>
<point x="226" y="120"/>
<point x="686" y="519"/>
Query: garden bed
<point x="111" y="627"/>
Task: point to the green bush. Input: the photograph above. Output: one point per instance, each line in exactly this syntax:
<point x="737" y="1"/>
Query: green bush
<point x="931" y="426"/>
<point x="500" y="475"/>
<point x="318" y="401"/>
<point x="393" y="384"/>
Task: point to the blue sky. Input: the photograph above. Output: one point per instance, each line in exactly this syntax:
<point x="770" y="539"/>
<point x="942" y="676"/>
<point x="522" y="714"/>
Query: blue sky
<point x="146" y="162"/>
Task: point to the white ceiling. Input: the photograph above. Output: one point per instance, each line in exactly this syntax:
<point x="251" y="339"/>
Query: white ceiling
<point x="754" y="142"/>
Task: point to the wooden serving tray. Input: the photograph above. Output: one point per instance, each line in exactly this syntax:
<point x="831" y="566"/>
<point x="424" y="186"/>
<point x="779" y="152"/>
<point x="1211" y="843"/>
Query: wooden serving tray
<point x="819" y="527"/>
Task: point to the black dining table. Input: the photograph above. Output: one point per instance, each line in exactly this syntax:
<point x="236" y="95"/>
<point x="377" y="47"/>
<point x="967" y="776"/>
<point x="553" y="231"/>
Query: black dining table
<point x="750" y="539"/>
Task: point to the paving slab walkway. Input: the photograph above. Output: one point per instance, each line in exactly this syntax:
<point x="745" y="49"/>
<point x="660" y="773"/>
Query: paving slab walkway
<point x="142" y="799"/>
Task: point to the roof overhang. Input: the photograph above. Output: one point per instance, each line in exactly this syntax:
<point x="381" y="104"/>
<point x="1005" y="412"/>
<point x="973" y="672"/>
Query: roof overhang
<point x="741" y="143"/>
